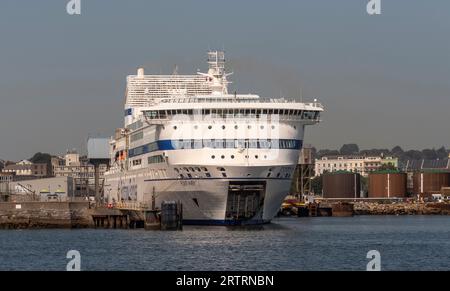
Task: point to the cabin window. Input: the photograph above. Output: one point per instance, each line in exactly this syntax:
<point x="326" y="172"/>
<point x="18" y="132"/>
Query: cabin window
<point x="137" y="136"/>
<point x="197" y="144"/>
<point x="157" y="159"/>
<point x="229" y="143"/>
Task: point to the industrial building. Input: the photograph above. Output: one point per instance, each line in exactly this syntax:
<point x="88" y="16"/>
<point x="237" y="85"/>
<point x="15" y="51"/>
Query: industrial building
<point x="341" y="185"/>
<point x="46" y="189"/>
<point x="414" y="166"/>
<point x="427" y="183"/>
<point x="387" y="184"/>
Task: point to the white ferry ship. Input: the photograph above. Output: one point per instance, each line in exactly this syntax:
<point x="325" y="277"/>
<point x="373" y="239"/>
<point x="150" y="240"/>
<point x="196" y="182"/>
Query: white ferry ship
<point x="229" y="158"/>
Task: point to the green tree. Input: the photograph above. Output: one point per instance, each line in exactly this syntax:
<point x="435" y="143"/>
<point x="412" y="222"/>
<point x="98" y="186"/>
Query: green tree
<point x="388" y="167"/>
<point x="349" y="149"/>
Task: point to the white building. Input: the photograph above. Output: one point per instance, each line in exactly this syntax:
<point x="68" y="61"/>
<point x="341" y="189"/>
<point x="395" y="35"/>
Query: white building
<point x="356" y="164"/>
<point x="26" y="168"/>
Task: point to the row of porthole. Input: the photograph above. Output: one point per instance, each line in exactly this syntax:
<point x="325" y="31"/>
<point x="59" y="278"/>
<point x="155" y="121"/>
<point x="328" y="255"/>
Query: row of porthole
<point x="232" y="157"/>
<point x="181" y="176"/>
<point x="224" y="175"/>
<point x="222" y="157"/>
<point x="191" y="169"/>
<point x="287" y="175"/>
<point x="235" y="127"/>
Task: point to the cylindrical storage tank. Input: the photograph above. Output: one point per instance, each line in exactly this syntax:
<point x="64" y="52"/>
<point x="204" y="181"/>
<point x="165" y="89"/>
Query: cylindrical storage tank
<point x="387" y="185"/>
<point x="341" y="185"/>
<point x="427" y="183"/>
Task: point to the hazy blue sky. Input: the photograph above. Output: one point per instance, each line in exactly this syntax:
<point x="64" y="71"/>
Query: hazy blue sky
<point x="385" y="80"/>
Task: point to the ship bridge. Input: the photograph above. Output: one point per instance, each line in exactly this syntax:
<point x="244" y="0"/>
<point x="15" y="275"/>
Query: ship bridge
<point x="233" y="108"/>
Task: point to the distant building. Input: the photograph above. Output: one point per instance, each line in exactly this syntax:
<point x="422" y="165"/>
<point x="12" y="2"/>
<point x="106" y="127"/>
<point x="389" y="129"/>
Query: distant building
<point x="55" y="162"/>
<point x="48" y="189"/>
<point x="77" y="167"/>
<point x="356" y="164"/>
<point x="6" y="177"/>
<point x="26" y="168"/>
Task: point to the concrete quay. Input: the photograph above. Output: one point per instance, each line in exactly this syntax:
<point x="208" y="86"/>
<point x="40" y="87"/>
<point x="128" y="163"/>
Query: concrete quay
<point x="18" y="215"/>
<point x="35" y="215"/>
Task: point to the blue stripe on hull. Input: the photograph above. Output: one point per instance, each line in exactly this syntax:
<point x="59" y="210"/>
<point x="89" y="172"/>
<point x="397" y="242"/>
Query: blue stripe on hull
<point x="167" y="145"/>
<point x="223" y="222"/>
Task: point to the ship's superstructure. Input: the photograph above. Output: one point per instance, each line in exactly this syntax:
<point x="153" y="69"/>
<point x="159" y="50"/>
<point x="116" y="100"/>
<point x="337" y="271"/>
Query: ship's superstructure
<point x="229" y="158"/>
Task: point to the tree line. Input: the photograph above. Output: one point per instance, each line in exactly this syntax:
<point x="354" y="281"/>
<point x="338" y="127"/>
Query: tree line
<point x="397" y="151"/>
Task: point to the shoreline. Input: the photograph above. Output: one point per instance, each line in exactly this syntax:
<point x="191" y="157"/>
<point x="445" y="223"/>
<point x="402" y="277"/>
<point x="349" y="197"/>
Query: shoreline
<point x="73" y="215"/>
<point x="429" y="208"/>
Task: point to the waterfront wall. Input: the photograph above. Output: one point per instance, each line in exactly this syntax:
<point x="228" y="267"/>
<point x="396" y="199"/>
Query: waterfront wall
<point x="45" y="215"/>
<point x="371" y="208"/>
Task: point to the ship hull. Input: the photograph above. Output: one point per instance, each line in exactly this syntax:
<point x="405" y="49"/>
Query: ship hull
<point x="238" y="199"/>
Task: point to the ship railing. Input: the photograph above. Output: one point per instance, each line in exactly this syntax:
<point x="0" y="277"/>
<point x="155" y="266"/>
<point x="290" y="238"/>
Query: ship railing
<point x="165" y="120"/>
<point x="233" y="100"/>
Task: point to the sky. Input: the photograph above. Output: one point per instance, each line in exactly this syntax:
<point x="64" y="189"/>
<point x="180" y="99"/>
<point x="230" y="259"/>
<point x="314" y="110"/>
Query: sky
<point x="383" y="79"/>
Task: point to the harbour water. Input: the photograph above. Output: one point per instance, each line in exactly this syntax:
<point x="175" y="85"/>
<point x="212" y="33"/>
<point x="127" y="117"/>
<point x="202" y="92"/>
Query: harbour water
<point x="329" y="243"/>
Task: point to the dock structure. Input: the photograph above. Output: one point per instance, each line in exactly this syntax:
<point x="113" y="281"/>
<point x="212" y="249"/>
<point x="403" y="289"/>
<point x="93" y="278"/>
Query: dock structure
<point x="125" y="218"/>
<point x="130" y="216"/>
<point x="316" y="208"/>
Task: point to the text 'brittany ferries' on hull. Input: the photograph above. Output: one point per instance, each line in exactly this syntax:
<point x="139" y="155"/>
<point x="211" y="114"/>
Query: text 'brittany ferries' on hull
<point x="229" y="158"/>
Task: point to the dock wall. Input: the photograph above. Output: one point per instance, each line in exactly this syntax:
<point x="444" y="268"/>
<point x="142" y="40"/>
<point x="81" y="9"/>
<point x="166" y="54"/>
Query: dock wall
<point x="45" y="215"/>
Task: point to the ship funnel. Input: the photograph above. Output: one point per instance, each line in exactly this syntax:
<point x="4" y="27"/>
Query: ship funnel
<point x="140" y="72"/>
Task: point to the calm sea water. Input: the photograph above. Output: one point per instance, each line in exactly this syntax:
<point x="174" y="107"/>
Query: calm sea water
<point x="404" y="242"/>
